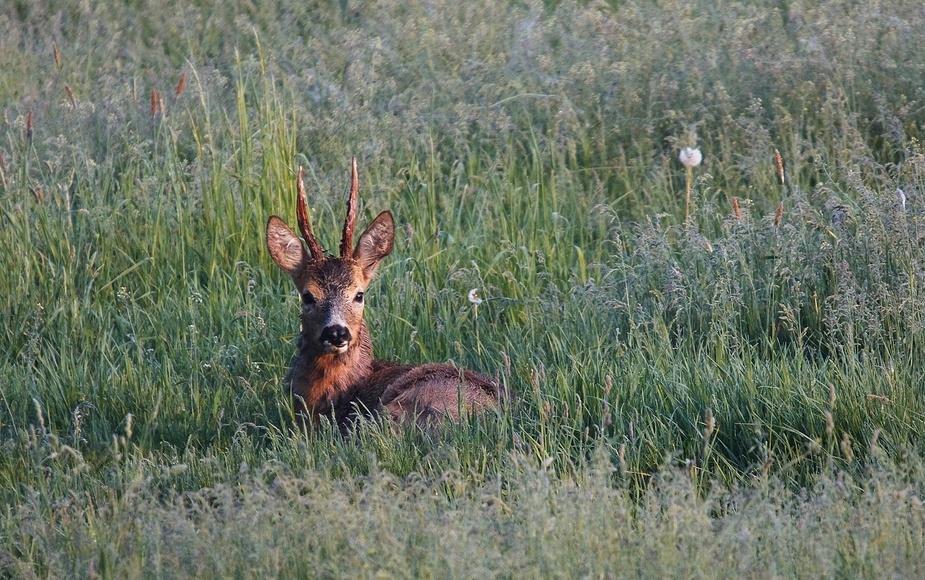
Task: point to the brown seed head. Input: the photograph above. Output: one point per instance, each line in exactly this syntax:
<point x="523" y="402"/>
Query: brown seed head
<point x="845" y="445"/>
<point x="780" y="214"/>
<point x="30" y="119"/>
<point x="709" y="424"/>
<point x="155" y="101"/>
<point x="70" y="95"/>
<point x="874" y="439"/>
<point x="54" y="50"/>
<point x="181" y="84"/>
<point x="735" y="207"/>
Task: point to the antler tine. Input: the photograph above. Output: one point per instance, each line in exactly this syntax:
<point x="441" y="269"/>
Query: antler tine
<point x="346" y="242"/>
<point x="305" y="227"/>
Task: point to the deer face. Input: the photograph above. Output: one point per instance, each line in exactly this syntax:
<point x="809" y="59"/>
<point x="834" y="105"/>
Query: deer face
<point x="332" y="304"/>
<point x="331" y="289"/>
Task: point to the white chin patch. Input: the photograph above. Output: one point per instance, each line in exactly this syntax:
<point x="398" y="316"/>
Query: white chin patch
<point x="331" y="349"/>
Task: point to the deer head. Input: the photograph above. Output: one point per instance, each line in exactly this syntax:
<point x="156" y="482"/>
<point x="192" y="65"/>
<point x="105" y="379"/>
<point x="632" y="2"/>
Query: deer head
<point x="331" y="287"/>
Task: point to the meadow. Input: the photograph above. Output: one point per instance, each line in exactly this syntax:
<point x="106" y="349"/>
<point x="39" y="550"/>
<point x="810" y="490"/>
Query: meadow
<point x="736" y="392"/>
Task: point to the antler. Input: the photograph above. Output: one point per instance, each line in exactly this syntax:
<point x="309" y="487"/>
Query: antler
<point x="305" y="227"/>
<point x="346" y="242"/>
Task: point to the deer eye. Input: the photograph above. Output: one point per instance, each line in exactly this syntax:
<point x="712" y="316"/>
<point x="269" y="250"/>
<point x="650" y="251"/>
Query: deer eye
<point x="359" y="298"/>
<point x="308" y="299"/>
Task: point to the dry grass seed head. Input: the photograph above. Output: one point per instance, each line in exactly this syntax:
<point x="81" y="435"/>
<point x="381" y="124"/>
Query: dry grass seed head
<point x="70" y="95"/>
<point x="779" y="164"/>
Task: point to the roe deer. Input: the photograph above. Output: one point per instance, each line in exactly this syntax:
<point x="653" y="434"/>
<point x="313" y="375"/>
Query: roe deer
<point x="334" y="374"/>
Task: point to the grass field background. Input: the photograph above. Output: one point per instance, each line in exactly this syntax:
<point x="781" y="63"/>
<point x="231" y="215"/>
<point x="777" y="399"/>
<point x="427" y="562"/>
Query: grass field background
<point x="737" y="393"/>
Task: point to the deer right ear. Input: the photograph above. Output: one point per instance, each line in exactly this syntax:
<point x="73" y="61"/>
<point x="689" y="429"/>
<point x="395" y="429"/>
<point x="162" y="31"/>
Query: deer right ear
<point x="285" y="247"/>
<point x="375" y="244"/>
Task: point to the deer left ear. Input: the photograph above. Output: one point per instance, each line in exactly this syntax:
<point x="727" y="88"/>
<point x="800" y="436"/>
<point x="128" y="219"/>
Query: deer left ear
<point x="285" y="247"/>
<point x="375" y="243"/>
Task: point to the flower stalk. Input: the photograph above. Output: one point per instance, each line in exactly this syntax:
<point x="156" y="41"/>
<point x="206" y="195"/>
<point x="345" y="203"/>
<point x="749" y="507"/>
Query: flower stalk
<point x="690" y="158"/>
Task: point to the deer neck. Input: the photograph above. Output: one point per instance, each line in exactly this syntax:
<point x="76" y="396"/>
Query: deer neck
<point x="319" y="379"/>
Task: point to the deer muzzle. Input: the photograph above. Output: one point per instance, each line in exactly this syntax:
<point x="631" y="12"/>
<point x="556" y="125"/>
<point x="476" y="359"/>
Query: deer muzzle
<point x="335" y="338"/>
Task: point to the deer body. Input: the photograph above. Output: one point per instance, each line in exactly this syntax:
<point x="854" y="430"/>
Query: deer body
<point x="334" y="373"/>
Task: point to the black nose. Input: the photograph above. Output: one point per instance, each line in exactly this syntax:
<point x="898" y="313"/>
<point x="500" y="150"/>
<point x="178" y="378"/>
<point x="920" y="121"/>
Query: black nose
<point x="336" y="335"/>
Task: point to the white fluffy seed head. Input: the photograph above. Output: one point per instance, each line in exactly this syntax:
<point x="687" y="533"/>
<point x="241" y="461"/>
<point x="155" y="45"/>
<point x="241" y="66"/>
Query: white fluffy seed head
<point x="690" y="157"/>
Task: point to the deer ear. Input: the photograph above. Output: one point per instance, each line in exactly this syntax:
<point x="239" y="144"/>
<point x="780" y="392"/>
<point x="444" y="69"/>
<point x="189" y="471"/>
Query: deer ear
<point x="375" y="243"/>
<point x="285" y="247"/>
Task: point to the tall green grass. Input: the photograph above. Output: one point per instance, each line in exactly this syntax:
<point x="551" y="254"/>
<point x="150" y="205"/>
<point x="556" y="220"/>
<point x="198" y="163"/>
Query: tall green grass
<point x="528" y="150"/>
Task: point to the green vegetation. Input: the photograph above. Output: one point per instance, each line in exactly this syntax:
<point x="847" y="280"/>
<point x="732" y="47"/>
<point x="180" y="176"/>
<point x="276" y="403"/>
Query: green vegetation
<point x="733" y="394"/>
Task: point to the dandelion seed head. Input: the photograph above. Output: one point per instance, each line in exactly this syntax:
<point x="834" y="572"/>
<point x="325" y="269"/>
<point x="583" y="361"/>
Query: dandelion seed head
<point x="474" y="297"/>
<point x="690" y="157"/>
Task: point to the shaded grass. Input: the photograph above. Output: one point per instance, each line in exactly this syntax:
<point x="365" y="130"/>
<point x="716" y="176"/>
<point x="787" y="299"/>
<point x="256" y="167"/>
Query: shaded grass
<point x="524" y="521"/>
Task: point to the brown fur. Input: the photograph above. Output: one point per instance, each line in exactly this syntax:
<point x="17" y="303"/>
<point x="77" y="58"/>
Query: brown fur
<point x="327" y="382"/>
